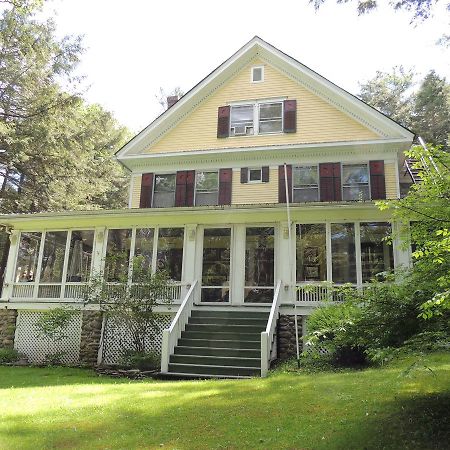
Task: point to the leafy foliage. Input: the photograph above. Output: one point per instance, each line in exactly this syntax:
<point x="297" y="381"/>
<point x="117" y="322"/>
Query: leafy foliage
<point x="142" y="361"/>
<point x="8" y="355"/>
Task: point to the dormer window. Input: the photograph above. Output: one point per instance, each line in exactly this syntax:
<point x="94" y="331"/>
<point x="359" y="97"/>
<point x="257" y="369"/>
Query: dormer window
<point x="258" y="74"/>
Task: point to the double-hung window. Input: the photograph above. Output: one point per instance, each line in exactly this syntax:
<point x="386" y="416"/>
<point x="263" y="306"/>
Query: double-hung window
<point x="355" y="182"/>
<point x="256" y="118"/>
<point x="207" y="188"/>
<point x="164" y="190"/>
<point x="305" y="184"/>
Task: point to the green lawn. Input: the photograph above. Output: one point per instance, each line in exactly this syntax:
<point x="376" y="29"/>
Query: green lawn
<point x="42" y="408"/>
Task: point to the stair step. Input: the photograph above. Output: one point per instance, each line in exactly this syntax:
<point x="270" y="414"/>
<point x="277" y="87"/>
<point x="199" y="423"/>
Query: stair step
<point x="216" y="320"/>
<point x="217" y="351"/>
<point x="216" y="360"/>
<point x="224" y="328"/>
<point x="220" y="343"/>
<point x="221" y="335"/>
<point x="213" y="370"/>
<point x="192" y="376"/>
<point x="240" y="314"/>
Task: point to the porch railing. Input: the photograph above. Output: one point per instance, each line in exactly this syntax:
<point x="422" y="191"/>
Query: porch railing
<point x="170" y="336"/>
<point x="313" y="294"/>
<point x="267" y="336"/>
<point x="74" y="291"/>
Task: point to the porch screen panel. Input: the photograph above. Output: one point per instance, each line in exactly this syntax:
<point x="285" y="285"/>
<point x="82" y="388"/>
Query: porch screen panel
<point x="259" y="265"/>
<point x="376" y="255"/>
<point x="143" y="248"/>
<point x="117" y="259"/>
<point x="216" y="265"/>
<point x="27" y="257"/>
<point x="80" y="256"/>
<point x="170" y="251"/>
<point x="311" y="252"/>
<point x="343" y="252"/>
<point x="53" y="256"/>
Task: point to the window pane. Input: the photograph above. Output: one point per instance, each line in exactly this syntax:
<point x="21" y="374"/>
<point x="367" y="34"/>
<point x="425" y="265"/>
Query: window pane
<point x="306" y="195"/>
<point x="143" y="247"/>
<point x="270" y="126"/>
<point x="259" y="260"/>
<point x="170" y="251"/>
<point x="270" y="111"/>
<point x="355" y="173"/>
<point x="257" y="74"/>
<point x="80" y="255"/>
<point x="311" y="252"/>
<point x="165" y="183"/>
<point x="216" y="264"/>
<point x="255" y="175"/>
<point x="359" y="193"/>
<point x="376" y="255"/>
<point x="207" y="181"/>
<point x="343" y="252"/>
<point x="163" y="199"/>
<point x="164" y="192"/>
<point x="242" y="113"/>
<point x="53" y="256"/>
<point x="305" y="175"/>
<point x="117" y="255"/>
<point x="27" y="257"/>
<point x="206" y="198"/>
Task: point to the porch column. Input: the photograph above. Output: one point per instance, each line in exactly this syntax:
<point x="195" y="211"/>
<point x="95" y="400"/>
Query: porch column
<point x="286" y="262"/>
<point x="8" y="282"/>
<point x="189" y="257"/>
<point x="401" y="245"/>
<point x="99" y="250"/>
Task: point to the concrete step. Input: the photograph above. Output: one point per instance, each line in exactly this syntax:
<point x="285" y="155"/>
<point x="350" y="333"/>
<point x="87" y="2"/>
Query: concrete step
<point x="212" y="351"/>
<point x="215" y="361"/>
<point x="217" y="320"/>
<point x="221" y="343"/>
<point x="213" y="370"/>
<point x="230" y="314"/>
<point x="224" y="328"/>
<point x="221" y="335"/>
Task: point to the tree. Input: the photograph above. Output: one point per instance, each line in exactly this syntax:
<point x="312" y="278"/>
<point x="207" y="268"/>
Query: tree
<point x="421" y="9"/>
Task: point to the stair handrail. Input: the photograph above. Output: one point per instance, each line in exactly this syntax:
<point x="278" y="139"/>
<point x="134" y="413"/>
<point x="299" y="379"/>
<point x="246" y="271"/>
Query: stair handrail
<point x="267" y="336"/>
<point x="173" y="333"/>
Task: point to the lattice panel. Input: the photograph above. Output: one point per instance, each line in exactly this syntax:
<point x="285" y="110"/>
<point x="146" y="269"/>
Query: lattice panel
<point x="37" y="348"/>
<point x="314" y="349"/>
<point x="117" y="338"/>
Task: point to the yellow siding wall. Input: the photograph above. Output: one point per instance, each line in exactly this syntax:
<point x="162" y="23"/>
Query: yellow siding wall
<point x="390" y="177"/>
<point x="317" y="120"/>
<point x="251" y="193"/>
<point x="135" y="191"/>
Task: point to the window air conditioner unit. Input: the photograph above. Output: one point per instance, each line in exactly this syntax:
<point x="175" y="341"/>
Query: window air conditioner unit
<point x="239" y="130"/>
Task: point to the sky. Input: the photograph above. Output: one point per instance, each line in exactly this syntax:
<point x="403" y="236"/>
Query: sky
<point x="134" y="48"/>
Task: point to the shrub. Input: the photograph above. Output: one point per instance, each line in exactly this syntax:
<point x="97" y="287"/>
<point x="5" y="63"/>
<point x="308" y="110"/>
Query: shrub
<point x="8" y="355"/>
<point x="141" y="360"/>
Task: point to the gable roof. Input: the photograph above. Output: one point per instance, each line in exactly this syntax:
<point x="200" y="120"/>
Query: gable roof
<point x="311" y="80"/>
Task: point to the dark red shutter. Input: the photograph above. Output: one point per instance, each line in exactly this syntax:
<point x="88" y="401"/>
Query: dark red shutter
<point x="190" y="186"/>
<point x="265" y="174"/>
<point x="225" y="176"/>
<point x="281" y="183"/>
<point x="146" y="191"/>
<point x="330" y="182"/>
<point x="244" y="175"/>
<point x="223" y="122"/>
<point x="290" y="116"/>
<point x="377" y="181"/>
<point x="180" y="190"/>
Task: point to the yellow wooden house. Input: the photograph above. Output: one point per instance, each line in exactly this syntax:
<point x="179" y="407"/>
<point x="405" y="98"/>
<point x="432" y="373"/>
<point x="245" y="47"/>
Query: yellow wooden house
<point x="252" y="190"/>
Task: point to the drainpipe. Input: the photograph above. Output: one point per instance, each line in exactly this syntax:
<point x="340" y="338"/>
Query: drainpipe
<point x="288" y="210"/>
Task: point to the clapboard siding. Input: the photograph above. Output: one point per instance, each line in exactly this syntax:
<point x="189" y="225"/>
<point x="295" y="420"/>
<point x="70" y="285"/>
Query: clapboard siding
<point x="251" y="193"/>
<point x="317" y="120"/>
<point x="136" y="190"/>
<point x="390" y="178"/>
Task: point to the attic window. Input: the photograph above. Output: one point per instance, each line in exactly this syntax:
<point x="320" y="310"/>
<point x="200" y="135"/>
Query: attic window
<point x="257" y="74"/>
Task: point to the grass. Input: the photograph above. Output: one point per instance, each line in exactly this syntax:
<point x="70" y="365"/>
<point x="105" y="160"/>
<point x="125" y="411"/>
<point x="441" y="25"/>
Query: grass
<point x="46" y="408"/>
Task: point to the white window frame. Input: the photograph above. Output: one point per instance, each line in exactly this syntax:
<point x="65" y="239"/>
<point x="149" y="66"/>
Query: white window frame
<point x="361" y="163"/>
<point x="206" y="192"/>
<point x="256" y="104"/>
<point x="154" y="185"/>
<point x="252" y="80"/>
<point x="306" y="186"/>
<point x="259" y="117"/>
<point x="254" y="169"/>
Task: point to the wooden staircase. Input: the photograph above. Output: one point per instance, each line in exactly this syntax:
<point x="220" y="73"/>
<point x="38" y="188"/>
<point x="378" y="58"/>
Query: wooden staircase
<point x="219" y="344"/>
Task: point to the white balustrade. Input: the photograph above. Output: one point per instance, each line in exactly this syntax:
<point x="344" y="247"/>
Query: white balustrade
<point x="172" y="334"/>
<point x="267" y="336"/>
<point x="22" y="290"/>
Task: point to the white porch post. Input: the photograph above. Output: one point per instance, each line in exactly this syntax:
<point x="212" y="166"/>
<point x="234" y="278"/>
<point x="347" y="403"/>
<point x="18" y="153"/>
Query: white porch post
<point x="286" y="263"/>
<point x="9" y="273"/>
<point x="99" y="248"/>
<point x="401" y="245"/>
<point x="189" y="257"/>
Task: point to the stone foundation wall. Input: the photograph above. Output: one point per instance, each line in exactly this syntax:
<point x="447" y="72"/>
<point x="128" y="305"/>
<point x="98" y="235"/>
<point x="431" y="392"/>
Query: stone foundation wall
<point x="286" y="336"/>
<point x="91" y="329"/>
<point x="8" y="319"/>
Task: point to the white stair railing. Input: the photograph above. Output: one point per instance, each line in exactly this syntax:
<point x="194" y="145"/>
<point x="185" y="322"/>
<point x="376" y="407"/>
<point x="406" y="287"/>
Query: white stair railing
<point x="267" y="336"/>
<point x="170" y="336"/>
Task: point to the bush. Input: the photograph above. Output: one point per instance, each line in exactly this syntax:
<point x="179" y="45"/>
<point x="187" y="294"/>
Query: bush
<point x="141" y="360"/>
<point x="9" y="355"/>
